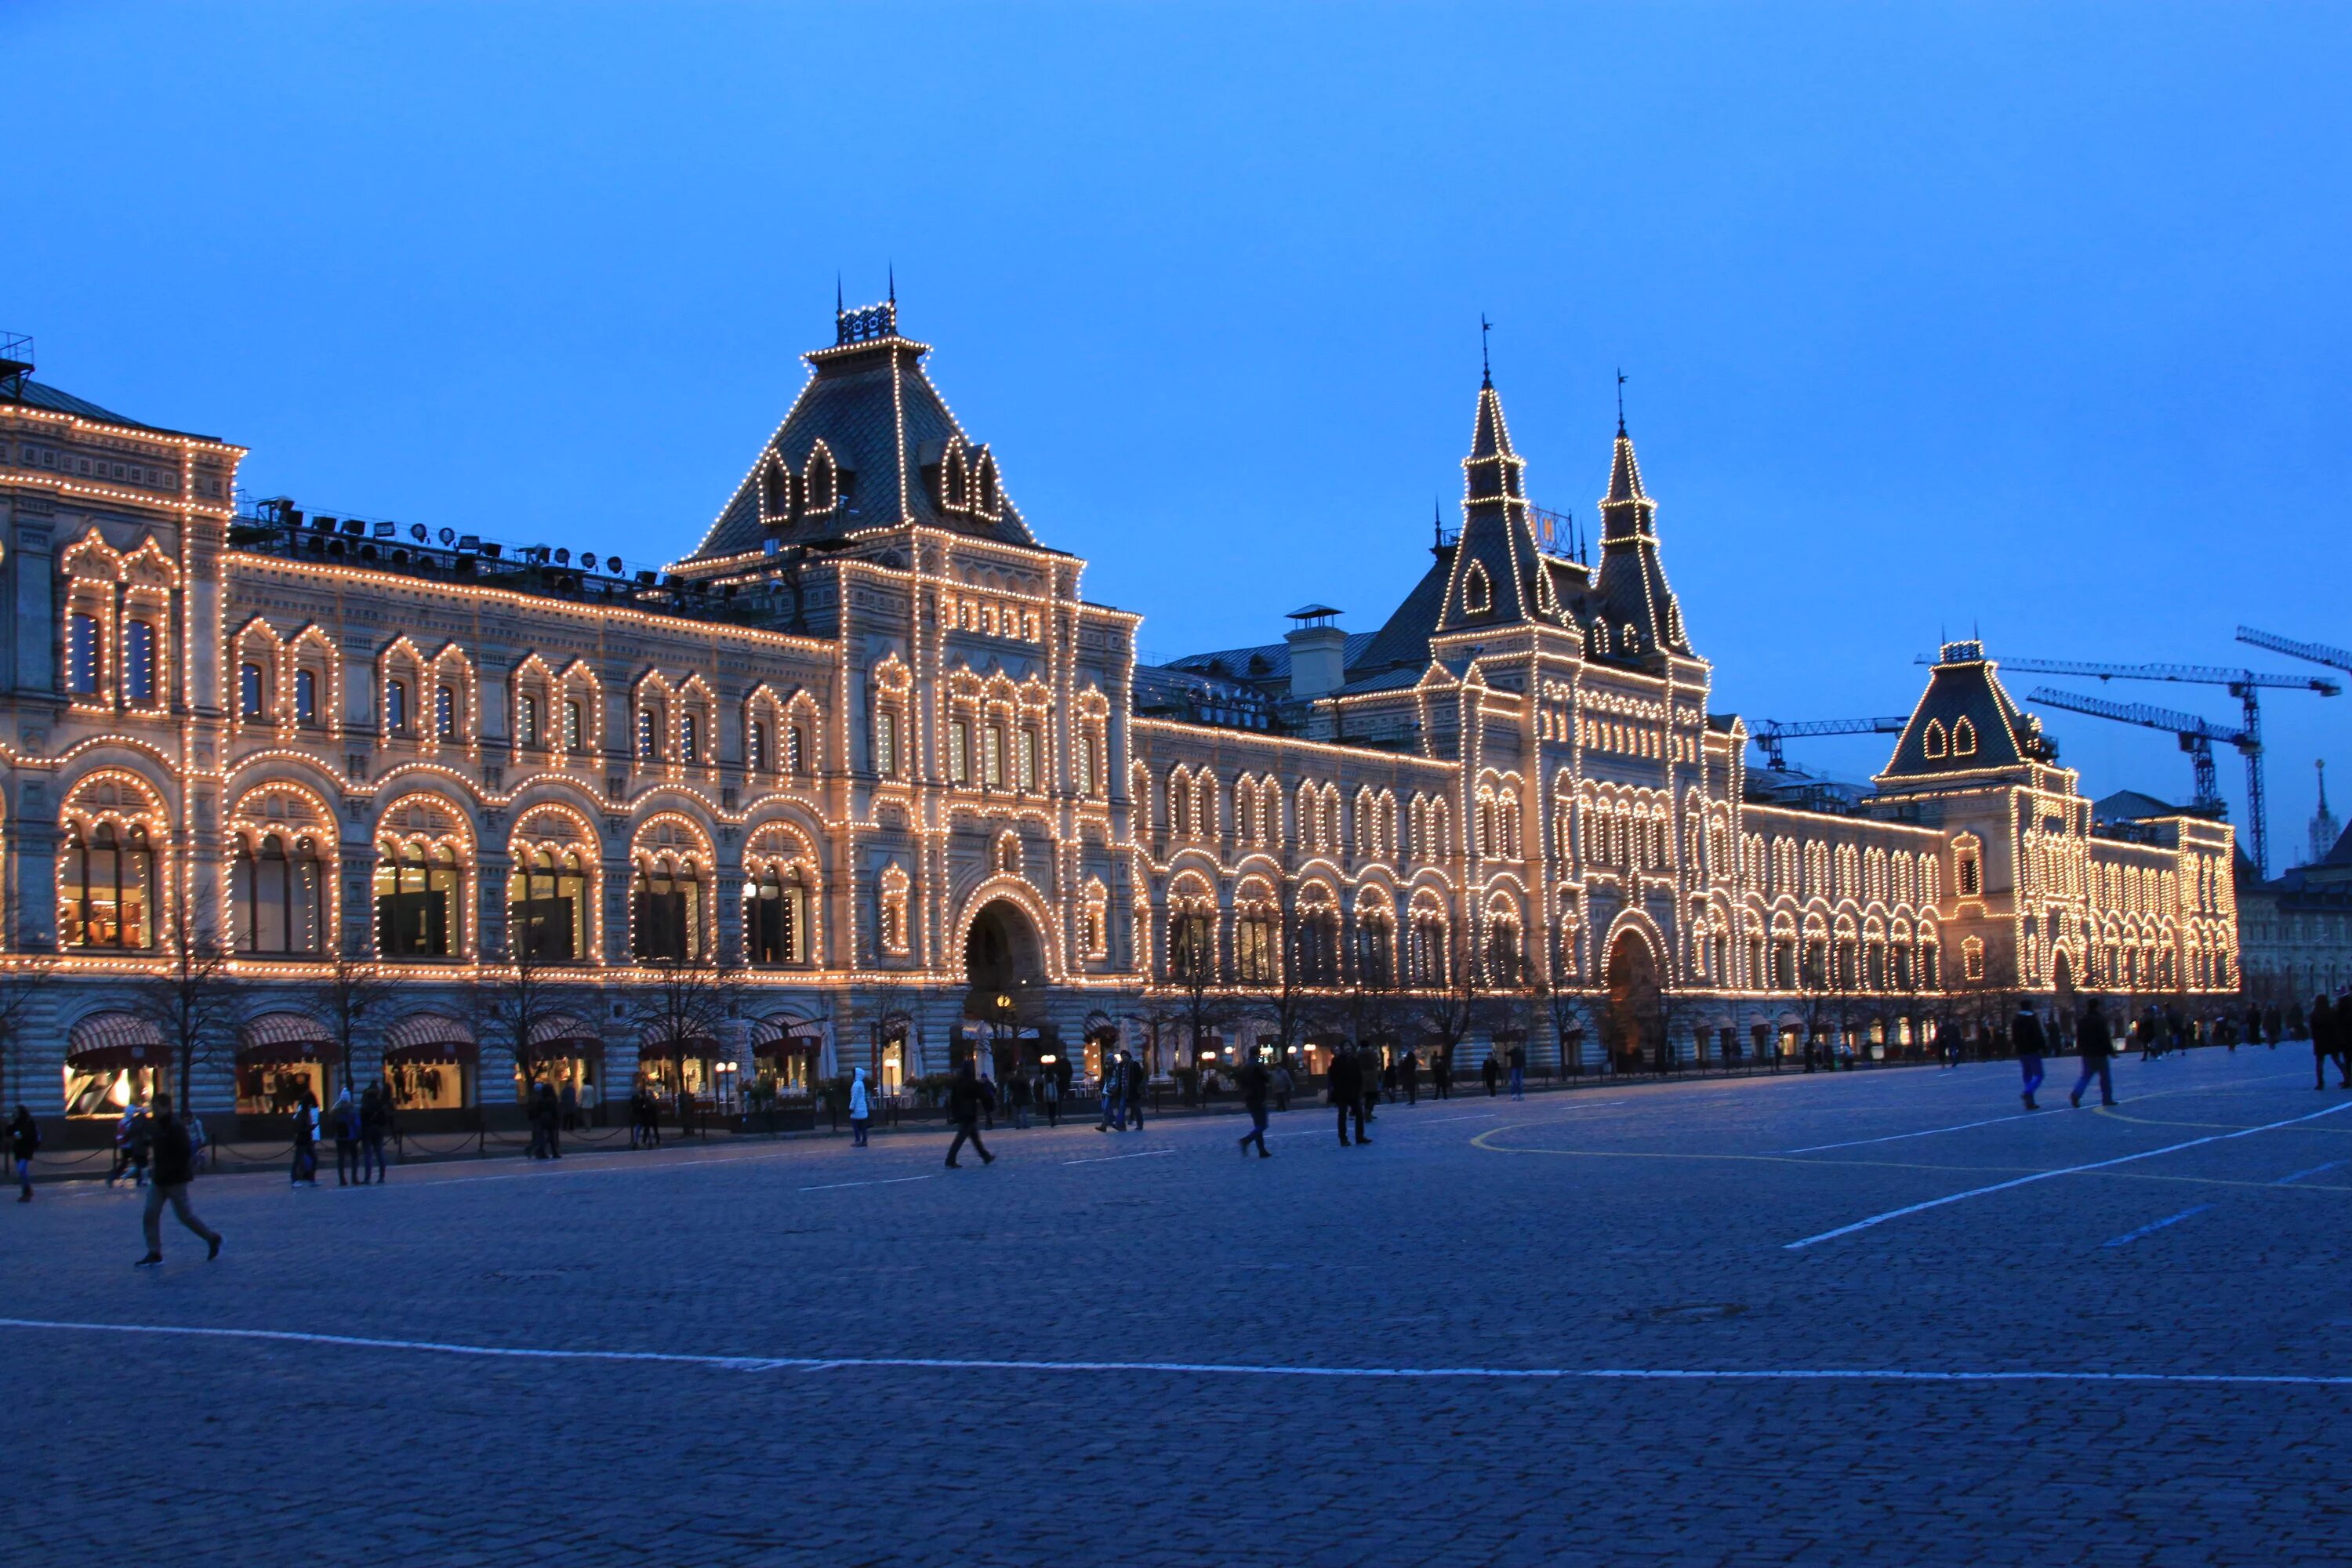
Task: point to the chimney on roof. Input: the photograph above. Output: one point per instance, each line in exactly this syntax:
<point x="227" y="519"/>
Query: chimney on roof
<point x="1317" y="652"/>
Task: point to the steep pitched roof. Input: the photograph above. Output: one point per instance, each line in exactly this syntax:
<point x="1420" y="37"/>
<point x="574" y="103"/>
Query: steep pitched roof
<point x="869" y="411"/>
<point x="1403" y="638"/>
<point x="1631" y="589"/>
<point x="1498" y="577"/>
<point x="1965" y="721"/>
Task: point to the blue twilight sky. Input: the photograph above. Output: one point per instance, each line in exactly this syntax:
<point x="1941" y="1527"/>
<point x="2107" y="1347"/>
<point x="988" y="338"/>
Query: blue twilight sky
<point x="2029" y="317"/>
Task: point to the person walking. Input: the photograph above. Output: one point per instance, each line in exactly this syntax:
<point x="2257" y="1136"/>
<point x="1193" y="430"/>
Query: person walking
<point x="1491" y="1071"/>
<point x="964" y="1096"/>
<point x="176" y="1167"/>
<point x="1138" y="1078"/>
<point x="24" y="1140"/>
<point x="1409" y="1077"/>
<point x="1049" y="1093"/>
<point x="1016" y="1090"/>
<point x="588" y="1106"/>
<point x="2026" y="1040"/>
<point x="131" y="1136"/>
<point x="570" y="1103"/>
<point x="2096" y="1046"/>
<point x="1254" y="1083"/>
<point x="2325" y="1022"/>
<point x="649" y="1117"/>
<point x="861" y="1110"/>
<point x="2344" y="1039"/>
<point x="1347" y="1090"/>
<point x="306" y="1140"/>
<point x="685" y="1112"/>
<point x="1518" y="1062"/>
<point x="1114" y="1093"/>
<point x="343" y="1126"/>
<point x="376" y="1126"/>
<point x="551" y="1122"/>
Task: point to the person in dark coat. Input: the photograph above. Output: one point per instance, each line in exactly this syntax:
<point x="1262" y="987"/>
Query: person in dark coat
<point x="1346" y="1090"/>
<point x="2025" y="1039"/>
<point x="2096" y="1045"/>
<point x="2325" y="1022"/>
<point x="173" y="1157"/>
<point x="1114" y="1093"/>
<point x="23" y="1139"/>
<point x="2344" y="1039"/>
<point x="1441" y="1073"/>
<point x="1492" y="1072"/>
<point x="1409" y="1077"/>
<point x="1517" y="1060"/>
<point x="1138" y="1078"/>
<point x="306" y="1140"/>
<point x="965" y="1099"/>
<point x="1254" y="1082"/>
<point x="376" y="1126"/>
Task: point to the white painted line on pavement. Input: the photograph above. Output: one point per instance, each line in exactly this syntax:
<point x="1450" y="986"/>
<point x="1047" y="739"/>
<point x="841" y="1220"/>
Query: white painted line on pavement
<point x="1106" y="1159"/>
<point x="1228" y="1369"/>
<point x="885" y="1182"/>
<point x="2064" y="1171"/>
<point x="1898" y="1137"/>
<point x="2299" y="1175"/>
<point x="2131" y="1235"/>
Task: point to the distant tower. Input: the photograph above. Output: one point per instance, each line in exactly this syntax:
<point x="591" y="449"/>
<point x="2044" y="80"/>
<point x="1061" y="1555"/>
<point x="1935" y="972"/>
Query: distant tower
<point x="2324" y="828"/>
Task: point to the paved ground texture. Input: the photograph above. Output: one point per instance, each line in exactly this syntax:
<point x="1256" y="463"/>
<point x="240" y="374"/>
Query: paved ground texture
<point x="1122" y="1349"/>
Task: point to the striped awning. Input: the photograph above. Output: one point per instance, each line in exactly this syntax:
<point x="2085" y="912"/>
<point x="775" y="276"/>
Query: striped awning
<point x="563" y="1029"/>
<point x="282" y="1037"/>
<point x="132" y="1036"/>
<point x="426" y="1038"/>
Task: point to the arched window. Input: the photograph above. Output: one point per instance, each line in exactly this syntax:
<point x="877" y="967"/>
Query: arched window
<point x="278" y="894"/>
<point x="668" y="905"/>
<point x="139" y="663"/>
<point x="395" y="706"/>
<point x="547" y="906"/>
<point x="306" y="697"/>
<point x="1931" y="739"/>
<point x="106" y="887"/>
<point x="417" y="912"/>
<point x="527" y="719"/>
<point x="1190" y="955"/>
<point x="755" y="745"/>
<point x="250" y="697"/>
<point x="82" y="645"/>
<point x="1967" y="866"/>
<point x="775" y="916"/>
<point x="648" y="735"/>
<point x="574" y="726"/>
<point x="1254" y="943"/>
<point x="690" y="738"/>
<point x="444" y="712"/>
<point x="1964" y="738"/>
<point x="1477" y="591"/>
<point x="796" y="750"/>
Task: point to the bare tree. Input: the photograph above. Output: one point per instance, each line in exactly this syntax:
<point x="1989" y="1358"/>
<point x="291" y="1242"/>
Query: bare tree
<point x="1201" y="1008"/>
<point x="686" y="1005"/>
<point x="1569" y="1012"/>
<point x="884" y="1010"/>
<point x="1283" y="1000"/>
<point x="189" y="1001"/>
<point x="352" y="992"/>
<point x="512" y="1004"/>
<point x="19" y="988"/>
<point x="1450" y="1013"/>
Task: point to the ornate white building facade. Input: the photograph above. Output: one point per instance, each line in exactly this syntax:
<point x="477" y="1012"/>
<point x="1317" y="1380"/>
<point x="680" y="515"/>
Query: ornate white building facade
<point x="869" y="755"/>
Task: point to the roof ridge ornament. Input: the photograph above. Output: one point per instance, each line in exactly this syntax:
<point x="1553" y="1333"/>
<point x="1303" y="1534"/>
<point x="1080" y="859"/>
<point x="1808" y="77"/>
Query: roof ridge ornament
<point x="867" y="323"/>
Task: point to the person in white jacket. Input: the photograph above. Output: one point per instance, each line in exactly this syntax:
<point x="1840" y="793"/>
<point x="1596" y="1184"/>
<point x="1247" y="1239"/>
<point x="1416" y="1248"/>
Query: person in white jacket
<point x="861" y="1109"/>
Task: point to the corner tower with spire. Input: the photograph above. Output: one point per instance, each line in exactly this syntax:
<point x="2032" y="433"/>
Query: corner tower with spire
<point x="1634" y="607"/>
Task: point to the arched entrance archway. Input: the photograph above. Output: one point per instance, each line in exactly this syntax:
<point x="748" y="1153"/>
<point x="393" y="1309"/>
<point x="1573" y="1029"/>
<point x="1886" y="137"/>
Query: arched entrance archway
<point x="1632" y="976"/>
<point x="1004" y="969"/>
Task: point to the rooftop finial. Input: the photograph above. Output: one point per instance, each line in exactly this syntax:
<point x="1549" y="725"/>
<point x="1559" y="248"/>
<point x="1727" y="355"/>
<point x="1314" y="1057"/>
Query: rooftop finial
<point x="1486" y="365"/>
<point x="838" y="304"/>
<point x="894" y="282"/>
<point x="1621" y="400"/>
<point x="1437" y="519"/>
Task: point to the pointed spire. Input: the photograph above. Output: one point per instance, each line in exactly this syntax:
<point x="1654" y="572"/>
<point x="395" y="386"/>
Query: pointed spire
<point x="893" y="283"/>
<point x="839" y="304"/>
<point x="1620" y="402"/>
<point x="1485" y="365"/>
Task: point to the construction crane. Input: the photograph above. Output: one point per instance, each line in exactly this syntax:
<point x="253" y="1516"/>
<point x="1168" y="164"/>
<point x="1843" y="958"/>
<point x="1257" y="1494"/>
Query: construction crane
<point x="1771" y="732"/>
<point x="2317" y="652"/>
<point x="2196" y="736"/>
<point x="2241" y="684"/>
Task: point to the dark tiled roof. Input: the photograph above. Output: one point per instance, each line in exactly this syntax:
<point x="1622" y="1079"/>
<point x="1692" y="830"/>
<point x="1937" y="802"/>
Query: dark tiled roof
<point x="1403" y="638"/>
<point x="1961" y="691"/>
<point x="37" y="395"/>
<point x="1265" y="662"/>
<point x="884" y="422"/>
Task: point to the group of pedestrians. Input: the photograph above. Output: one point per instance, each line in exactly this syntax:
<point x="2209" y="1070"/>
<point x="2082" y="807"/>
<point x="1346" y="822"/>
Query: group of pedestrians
<point x="2094" y="1043"/>
<point x="2331" y="1039"/>
<point x="1124" y="1080"/>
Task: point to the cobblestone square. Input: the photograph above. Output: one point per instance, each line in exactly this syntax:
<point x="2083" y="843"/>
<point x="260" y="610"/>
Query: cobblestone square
<point x="1579" y="1329"/>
